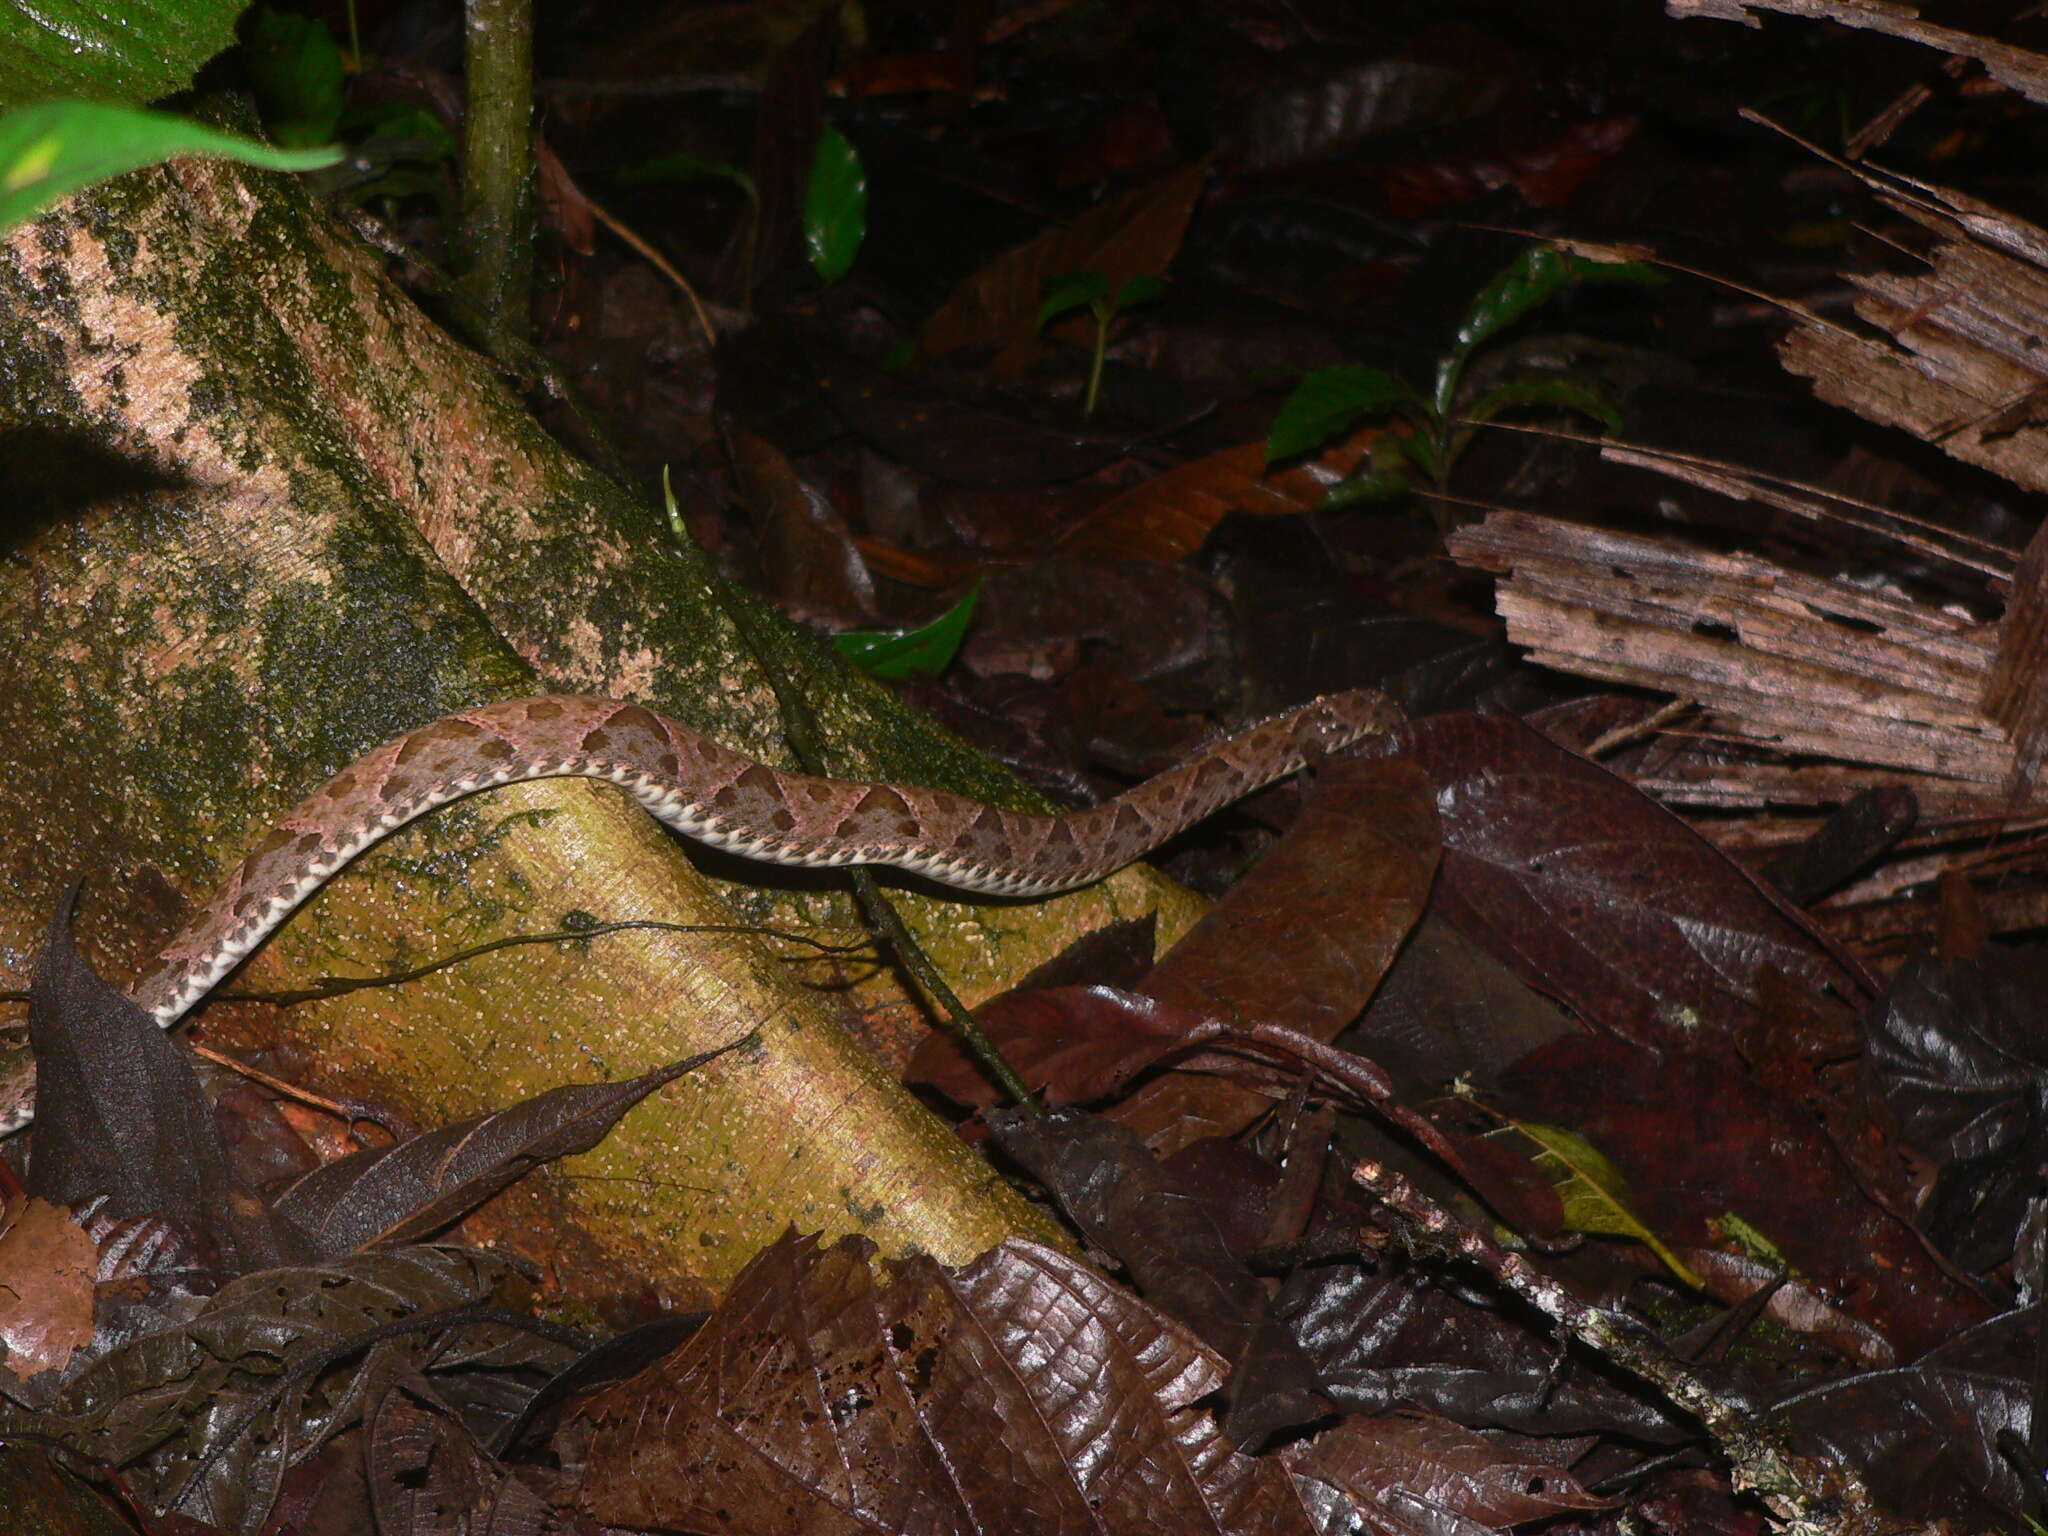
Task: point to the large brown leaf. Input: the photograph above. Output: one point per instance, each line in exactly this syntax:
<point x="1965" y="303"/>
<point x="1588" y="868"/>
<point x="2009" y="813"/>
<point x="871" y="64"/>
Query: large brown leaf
<point x="1303" y="940"/>
<point x="1021" y="1393"/>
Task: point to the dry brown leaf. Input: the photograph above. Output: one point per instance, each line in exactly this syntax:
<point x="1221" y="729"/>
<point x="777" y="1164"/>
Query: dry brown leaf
<point x="47" y="1266"/>
<point x="1169" y="516"/>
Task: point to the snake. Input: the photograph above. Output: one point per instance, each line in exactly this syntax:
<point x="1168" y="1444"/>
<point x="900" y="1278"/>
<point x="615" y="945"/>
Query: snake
<point x="727" y="800"/>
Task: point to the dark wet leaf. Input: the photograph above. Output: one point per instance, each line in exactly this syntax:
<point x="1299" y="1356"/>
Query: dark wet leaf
<point x="1448" y="1009"/>
<point x="1073" y="1044"/>
<point x="201" y="1396"/>
<point x="396" y="1193"/>
<point x="1853" y="837"/>
<point x="1412" y="1470"/>
<point x="1925" y="1436"/>
<point x="427" y="1473"/>
<point x="1023" y="1392"/>
<point x="1959" y="1050"/>
<point x="1386" y="1336"/>
<point x="120" y="1115"/>
<point x="1794" y="1304"/>
<point x="1599" y="896"/>
<point x="1164" y="1235"/>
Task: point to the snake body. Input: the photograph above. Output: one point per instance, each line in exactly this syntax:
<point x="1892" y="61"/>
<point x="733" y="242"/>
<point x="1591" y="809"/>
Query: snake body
<point x="729" y="801"/>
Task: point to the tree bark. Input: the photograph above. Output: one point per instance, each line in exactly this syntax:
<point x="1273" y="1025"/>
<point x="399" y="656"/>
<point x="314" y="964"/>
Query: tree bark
<point x="266" y="515"/>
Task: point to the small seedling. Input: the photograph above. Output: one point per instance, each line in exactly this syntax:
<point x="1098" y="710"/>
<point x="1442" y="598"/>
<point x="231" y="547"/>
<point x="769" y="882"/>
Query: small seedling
<point x="1091" y="290"/>
<point x="1330" y="402"/>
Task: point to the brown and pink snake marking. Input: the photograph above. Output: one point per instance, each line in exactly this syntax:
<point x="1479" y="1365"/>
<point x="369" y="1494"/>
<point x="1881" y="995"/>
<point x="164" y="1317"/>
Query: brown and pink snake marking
<point x="729" y="801"/>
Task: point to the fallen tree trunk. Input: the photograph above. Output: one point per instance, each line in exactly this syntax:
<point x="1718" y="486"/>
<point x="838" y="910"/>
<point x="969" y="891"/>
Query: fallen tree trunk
<point x="267" y="515"/>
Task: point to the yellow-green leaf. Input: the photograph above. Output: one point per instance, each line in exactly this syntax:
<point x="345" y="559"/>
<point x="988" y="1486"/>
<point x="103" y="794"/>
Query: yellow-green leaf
<point x="1594" y="1193"/>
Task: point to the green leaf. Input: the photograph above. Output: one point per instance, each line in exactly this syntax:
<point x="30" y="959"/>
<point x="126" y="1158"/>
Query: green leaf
<point x="295" y="69"/>
<point x="1594" y="1193"/>
<point x="1145" y="288"/>
<point x="1420" y="449"/>
<point x="1328" y="403"/>
<point x="51" y="150"/>
<point x="1526" y="394"/>
<point x="392" y="123"/>
<point x="1076" y="290"/>
<point x="835" y="206"/>
<point x="1384" y="483"/>
<point x="683" y="167"/>
<point x="131" y="52"/>
<point x="895" y="653"/>
<point x="1535" y="277"/>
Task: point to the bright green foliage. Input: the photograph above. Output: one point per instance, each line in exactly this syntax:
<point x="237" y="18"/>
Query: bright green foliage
<point x="54" y="148"/>
<point x="295" y="68"/>
<point x="129" y="51"/>
<point x="1330" y="402"/>
<point x="895" y="653"/>
<point x="835" y="206"/>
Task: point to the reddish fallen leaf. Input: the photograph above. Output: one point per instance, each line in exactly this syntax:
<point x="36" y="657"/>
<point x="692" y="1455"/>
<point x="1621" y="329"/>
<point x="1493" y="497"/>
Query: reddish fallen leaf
<point x="47" y="1266"/>
<point x="1168" y="516"/>
<point x="909" y="74"/>
<point x="1735" y="1277"/>
<point x="1392" y="1335"/>
<point x="1021" y="1393"/>
<point x="1135" y="138"/>
<point x="407" y="1190"/>
<point x="567" y="206"/>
